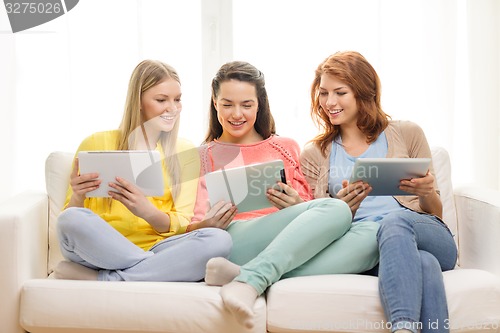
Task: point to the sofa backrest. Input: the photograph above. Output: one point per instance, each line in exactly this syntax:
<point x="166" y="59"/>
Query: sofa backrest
<point x="58" y="169"/>
<point x="442" y="169"/>
<point x="57" y="172"/>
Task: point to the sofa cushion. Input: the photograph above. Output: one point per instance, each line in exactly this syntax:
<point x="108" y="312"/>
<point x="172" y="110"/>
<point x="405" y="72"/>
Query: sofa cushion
<point x="57" y="172"/>
<point x="442" y="168"/>
<point x="51" y="306"/>
<point x="350" y="303"/>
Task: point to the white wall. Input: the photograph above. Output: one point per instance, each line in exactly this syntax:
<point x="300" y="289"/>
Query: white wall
<point x="61" y="81"/>
<point x="498" y="94"/>
<point x="66" y="79"/>
<point x="7" y="115"/>
<point x="484" y="84"/>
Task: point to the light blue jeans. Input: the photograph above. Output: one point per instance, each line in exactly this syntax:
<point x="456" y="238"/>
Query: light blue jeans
<point x="311" y="238"/>
<point x="414" y="250"/>
<point x="87" y="239"/>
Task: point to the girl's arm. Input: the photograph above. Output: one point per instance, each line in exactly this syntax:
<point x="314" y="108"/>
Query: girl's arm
<point x="296" y="189"/>
<point x="218" y="216"/>
<point x="167" y="215"/>
<point x="81" y="184"/>
<point x="425" y="187"/>
<point x="428" y="198"/>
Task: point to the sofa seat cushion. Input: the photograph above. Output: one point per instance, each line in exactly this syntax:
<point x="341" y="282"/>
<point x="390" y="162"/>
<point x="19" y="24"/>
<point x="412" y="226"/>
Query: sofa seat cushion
<point x="350" y="303"/>
<point x="52" y="306"/>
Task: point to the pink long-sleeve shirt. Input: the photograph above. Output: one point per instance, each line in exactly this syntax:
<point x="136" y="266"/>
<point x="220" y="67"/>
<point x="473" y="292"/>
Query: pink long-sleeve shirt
<point x="217" y="155"/>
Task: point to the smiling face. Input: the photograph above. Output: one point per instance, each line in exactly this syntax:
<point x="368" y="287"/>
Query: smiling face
<point x="338" y="101"/>
<point x="237" y="106"/>
<point x="161" y="105"/>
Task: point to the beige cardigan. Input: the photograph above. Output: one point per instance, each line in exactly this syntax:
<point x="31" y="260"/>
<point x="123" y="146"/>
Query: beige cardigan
<point x="404" y="139"/>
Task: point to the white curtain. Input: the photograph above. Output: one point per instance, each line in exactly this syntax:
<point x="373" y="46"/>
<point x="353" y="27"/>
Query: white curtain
<point x="438" y="61"/>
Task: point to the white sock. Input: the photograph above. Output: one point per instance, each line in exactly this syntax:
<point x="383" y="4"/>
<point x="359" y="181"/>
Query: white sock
<point x="220" y="271"/>
<point x="239" y="298"/>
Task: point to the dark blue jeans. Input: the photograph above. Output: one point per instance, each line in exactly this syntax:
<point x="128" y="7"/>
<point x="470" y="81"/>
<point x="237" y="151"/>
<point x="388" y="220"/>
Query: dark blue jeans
<point x="414" y="250"/>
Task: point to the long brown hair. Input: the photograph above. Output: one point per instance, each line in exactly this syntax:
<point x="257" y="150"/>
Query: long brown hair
<point x="245" y="72"/>
<point x="353" y="69"/>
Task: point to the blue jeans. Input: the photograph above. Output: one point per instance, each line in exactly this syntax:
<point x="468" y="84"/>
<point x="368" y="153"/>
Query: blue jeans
<point x="414" y="250"/>
<point x="85" y="238"/>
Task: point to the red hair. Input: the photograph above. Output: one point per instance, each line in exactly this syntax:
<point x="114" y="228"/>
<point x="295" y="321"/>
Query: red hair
<point x="354" y="70"/>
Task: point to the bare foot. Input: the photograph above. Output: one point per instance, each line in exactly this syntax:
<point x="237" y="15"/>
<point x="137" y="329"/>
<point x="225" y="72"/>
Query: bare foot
<point x="69" y="270"/>
<point x="239" y="298"/>
<point x="220" y="271"/>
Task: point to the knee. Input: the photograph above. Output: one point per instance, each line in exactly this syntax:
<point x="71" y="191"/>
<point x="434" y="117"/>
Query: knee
<point x="70" y="218"/>
<point x="429" y="262"/>
<point x="394" y="225"/>
<point x="340" y="211"/>
<point x="338" y="205"/>
<point x="219" y="242"/>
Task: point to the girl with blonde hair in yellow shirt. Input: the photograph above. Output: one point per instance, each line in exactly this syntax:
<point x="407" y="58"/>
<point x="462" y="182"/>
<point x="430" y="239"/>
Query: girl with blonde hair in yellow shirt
<point x="128" y="236"/>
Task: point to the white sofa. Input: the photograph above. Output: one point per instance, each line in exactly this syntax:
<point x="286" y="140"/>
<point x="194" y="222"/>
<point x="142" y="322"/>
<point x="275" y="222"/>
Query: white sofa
<point x="332" y="303"/>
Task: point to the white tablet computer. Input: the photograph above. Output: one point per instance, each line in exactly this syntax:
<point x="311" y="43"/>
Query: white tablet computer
<point x="141" y="167"/>
<point x="384" y="174"/>
<point x="245" y="186"/>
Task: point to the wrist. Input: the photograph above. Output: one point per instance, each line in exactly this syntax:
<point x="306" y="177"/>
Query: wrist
<point x="76" y="201"/>
<point x="159" y="220"/>
<point x="191" y="227"/>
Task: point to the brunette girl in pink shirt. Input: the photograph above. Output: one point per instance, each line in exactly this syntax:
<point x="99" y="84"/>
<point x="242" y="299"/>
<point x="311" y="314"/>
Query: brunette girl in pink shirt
<point x="298" y="236"/>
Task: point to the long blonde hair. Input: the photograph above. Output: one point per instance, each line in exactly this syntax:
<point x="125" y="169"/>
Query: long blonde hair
<point x="146" y="75"/>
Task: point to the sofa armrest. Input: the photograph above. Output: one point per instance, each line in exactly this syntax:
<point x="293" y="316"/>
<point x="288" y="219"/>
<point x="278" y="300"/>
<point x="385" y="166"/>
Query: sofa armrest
<point x="24" y="248"/>
<point x="478" y="214"/>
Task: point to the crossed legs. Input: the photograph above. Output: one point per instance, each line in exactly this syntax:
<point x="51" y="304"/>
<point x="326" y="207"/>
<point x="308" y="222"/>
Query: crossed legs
<point x="95" y="250"/>
<point x="304" y="239"/>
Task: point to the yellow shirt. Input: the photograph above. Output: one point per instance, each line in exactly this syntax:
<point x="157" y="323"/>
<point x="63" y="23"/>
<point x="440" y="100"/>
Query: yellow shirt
<point x="136" y="229"/>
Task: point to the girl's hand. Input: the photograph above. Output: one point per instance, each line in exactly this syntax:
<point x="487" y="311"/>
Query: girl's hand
<point x="353" y="194"/>
<point x="422" y="186"/>
<point x="81" y="185"/>
<point x="428" y="198"/>
<point x="287" y="197"/>
<point x="218" y="216"/>
<point x="132" y="198"/>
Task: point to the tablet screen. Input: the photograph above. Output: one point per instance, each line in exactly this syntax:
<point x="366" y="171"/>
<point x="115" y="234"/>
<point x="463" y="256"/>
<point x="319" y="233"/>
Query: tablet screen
<point x="140" y="167"/>
<point x="245" y="186"/>
<point x="384" y="174"/>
